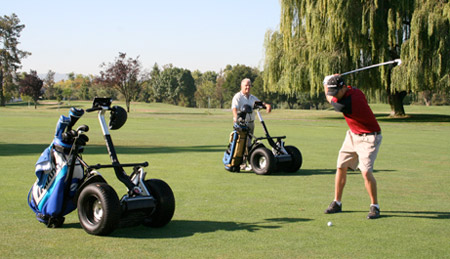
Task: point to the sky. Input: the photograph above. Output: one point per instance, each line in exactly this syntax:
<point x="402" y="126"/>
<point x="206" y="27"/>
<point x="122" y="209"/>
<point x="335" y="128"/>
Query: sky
<point x="78" y="36"/>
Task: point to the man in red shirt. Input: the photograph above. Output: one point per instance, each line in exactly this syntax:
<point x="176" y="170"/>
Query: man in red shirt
<point x="361" y="144"/>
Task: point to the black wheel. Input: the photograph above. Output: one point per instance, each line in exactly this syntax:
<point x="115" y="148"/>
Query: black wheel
<point x="165" y="203"/>
<point x="99" y="209"/>
<point x="262" y="161"/>
<point x="295" y="164"/>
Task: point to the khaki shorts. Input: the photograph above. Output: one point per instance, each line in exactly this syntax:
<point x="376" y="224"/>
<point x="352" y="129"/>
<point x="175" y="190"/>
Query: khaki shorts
<point x="359" y="151"/>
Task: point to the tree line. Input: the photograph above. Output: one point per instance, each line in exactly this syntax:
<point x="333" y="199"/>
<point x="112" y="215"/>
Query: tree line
<point x="315" y="39"/>
<point x="123" y="79"/>
<point x="126" y="79"/>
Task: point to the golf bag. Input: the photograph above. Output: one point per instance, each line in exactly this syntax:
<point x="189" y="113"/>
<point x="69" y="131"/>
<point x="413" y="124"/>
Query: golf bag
<point x="234" y="155"/>
<point x="51" y="196"/>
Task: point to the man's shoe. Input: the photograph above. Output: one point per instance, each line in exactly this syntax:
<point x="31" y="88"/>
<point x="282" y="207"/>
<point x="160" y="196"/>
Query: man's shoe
<point x="245" y="167"/>
<point x="333" y="208"/>
<point x="374" y="213"/>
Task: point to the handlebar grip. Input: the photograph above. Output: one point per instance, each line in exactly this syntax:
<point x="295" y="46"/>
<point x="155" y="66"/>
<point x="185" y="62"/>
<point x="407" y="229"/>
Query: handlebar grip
<point x="259" y="105"/>
<point x="94" y="109"/>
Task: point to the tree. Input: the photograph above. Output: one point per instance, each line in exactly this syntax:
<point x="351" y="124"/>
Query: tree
<point x="155" y="84"/>
<point x="187" y="88"/>
<point x="233" y="78"/>
<point x="49" y="85"/>
<point x="123" y="75"/>
<point x="206" y="93"/>
<point x="10" y="55"/>
<point x="31" y="85"/>
<point x="174" y="85"/>
<point x="318" y="38"/>
<point x="426" y="55"/>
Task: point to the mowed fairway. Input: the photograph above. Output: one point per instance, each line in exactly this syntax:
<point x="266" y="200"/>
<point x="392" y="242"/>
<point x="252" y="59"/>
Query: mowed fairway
<point x="240" y="215"/>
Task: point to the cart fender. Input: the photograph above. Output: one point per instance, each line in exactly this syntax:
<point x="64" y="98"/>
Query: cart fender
<point x="254" y="147"/>
<point x="93" y="177"/>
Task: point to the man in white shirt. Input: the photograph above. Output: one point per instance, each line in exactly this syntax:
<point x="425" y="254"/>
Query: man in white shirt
<point x="242" y="98"/>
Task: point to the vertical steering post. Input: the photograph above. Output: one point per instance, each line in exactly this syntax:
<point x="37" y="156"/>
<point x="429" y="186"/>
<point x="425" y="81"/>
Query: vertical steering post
<point x="120" y="173"/>
<point x="101" y="119"/>
<point x="266" y="132"/>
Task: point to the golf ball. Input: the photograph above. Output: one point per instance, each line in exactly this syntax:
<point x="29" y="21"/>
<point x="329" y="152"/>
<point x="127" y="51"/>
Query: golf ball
<point x="330" y="224"/>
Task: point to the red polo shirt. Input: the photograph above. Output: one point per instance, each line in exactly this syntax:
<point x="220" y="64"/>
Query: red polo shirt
<point x="358" y="115"/>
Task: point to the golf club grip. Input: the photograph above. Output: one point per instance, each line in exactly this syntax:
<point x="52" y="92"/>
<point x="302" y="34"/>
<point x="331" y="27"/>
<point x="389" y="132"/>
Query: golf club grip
<point x="74" y="115"/>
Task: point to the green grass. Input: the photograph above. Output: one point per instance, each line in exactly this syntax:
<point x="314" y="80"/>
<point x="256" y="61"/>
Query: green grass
<point x="226" y="215"/>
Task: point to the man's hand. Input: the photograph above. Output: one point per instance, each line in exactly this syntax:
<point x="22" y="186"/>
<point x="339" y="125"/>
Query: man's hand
<point x="268" y="107"/>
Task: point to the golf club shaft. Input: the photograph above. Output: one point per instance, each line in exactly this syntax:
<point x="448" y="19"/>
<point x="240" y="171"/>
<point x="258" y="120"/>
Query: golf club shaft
<point x="398" y="61"/>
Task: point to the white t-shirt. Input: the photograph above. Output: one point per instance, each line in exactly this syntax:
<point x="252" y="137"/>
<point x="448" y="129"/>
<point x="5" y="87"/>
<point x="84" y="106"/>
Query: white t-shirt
<point x="239" y="100"/>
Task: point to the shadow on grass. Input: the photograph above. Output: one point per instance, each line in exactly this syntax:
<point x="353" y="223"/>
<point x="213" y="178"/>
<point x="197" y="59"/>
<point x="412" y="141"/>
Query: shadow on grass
<point x="384" y="117"/>
<point x="309" y="172"/>
<point x="186" y="228"/>
<point x="417" y="214"/>
<point x="408" y="214"/>
<point x="180" y="113"/>
<point x="414" y="118"/>
<point x="7" y="149"/>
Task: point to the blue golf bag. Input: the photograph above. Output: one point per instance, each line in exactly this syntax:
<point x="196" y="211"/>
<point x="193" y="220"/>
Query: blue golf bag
<point x="51" y="196"/>
<point x="234" y="155"/>
<point x="237" y="147"/>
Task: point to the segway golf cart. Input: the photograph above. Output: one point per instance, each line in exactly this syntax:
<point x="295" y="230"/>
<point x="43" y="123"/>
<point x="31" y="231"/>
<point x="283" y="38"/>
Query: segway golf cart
<point x="263" y="160"/>
<point x="148" y="202"/>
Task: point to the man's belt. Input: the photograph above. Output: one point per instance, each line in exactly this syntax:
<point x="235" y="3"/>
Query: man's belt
<point x="371" y="133"/>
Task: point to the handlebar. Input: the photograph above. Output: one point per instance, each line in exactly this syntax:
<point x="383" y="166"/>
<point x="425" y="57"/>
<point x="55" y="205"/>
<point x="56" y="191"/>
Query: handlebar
<point x="100" y="103"/>
<point x="94" y="109"/>
<point x="259" y="105"/>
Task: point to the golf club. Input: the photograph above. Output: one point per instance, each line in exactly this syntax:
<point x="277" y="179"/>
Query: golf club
<point x="398" y="61"/>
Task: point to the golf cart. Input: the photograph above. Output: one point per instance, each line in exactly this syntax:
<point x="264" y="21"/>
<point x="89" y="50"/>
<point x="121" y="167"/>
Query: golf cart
<point x="148" y="202"/>
<point x="263" y="160"/>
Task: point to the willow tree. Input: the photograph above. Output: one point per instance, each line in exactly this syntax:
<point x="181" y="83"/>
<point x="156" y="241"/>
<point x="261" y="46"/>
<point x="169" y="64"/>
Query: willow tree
<point x="322" y="37"/>
<point x="426" y="55"/>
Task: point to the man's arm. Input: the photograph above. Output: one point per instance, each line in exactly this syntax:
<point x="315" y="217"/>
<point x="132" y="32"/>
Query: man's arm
<point x="329" y="97"/>
<point x="234" y="110"/>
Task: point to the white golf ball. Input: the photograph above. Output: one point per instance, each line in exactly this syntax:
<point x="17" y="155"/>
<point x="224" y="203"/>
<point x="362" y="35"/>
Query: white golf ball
<point x="330" y="224"/>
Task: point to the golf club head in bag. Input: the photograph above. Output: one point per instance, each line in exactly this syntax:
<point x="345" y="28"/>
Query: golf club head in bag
<point x="51" y="195"/>
<point x="74" y="115"/>
<point x="242" y="114"/>
<point x="234" y="154"/>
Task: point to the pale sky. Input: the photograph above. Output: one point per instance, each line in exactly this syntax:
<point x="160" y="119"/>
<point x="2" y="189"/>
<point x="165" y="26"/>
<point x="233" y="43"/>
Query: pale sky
<point x="78" y="36"/>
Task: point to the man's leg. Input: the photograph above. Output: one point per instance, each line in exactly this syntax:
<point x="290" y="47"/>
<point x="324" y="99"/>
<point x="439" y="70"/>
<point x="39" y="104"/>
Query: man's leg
<point x="368" y="148"/>
<point x="245" y="162"/>
<point x="371" y="186"/>
<point x="339" y="183"/>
